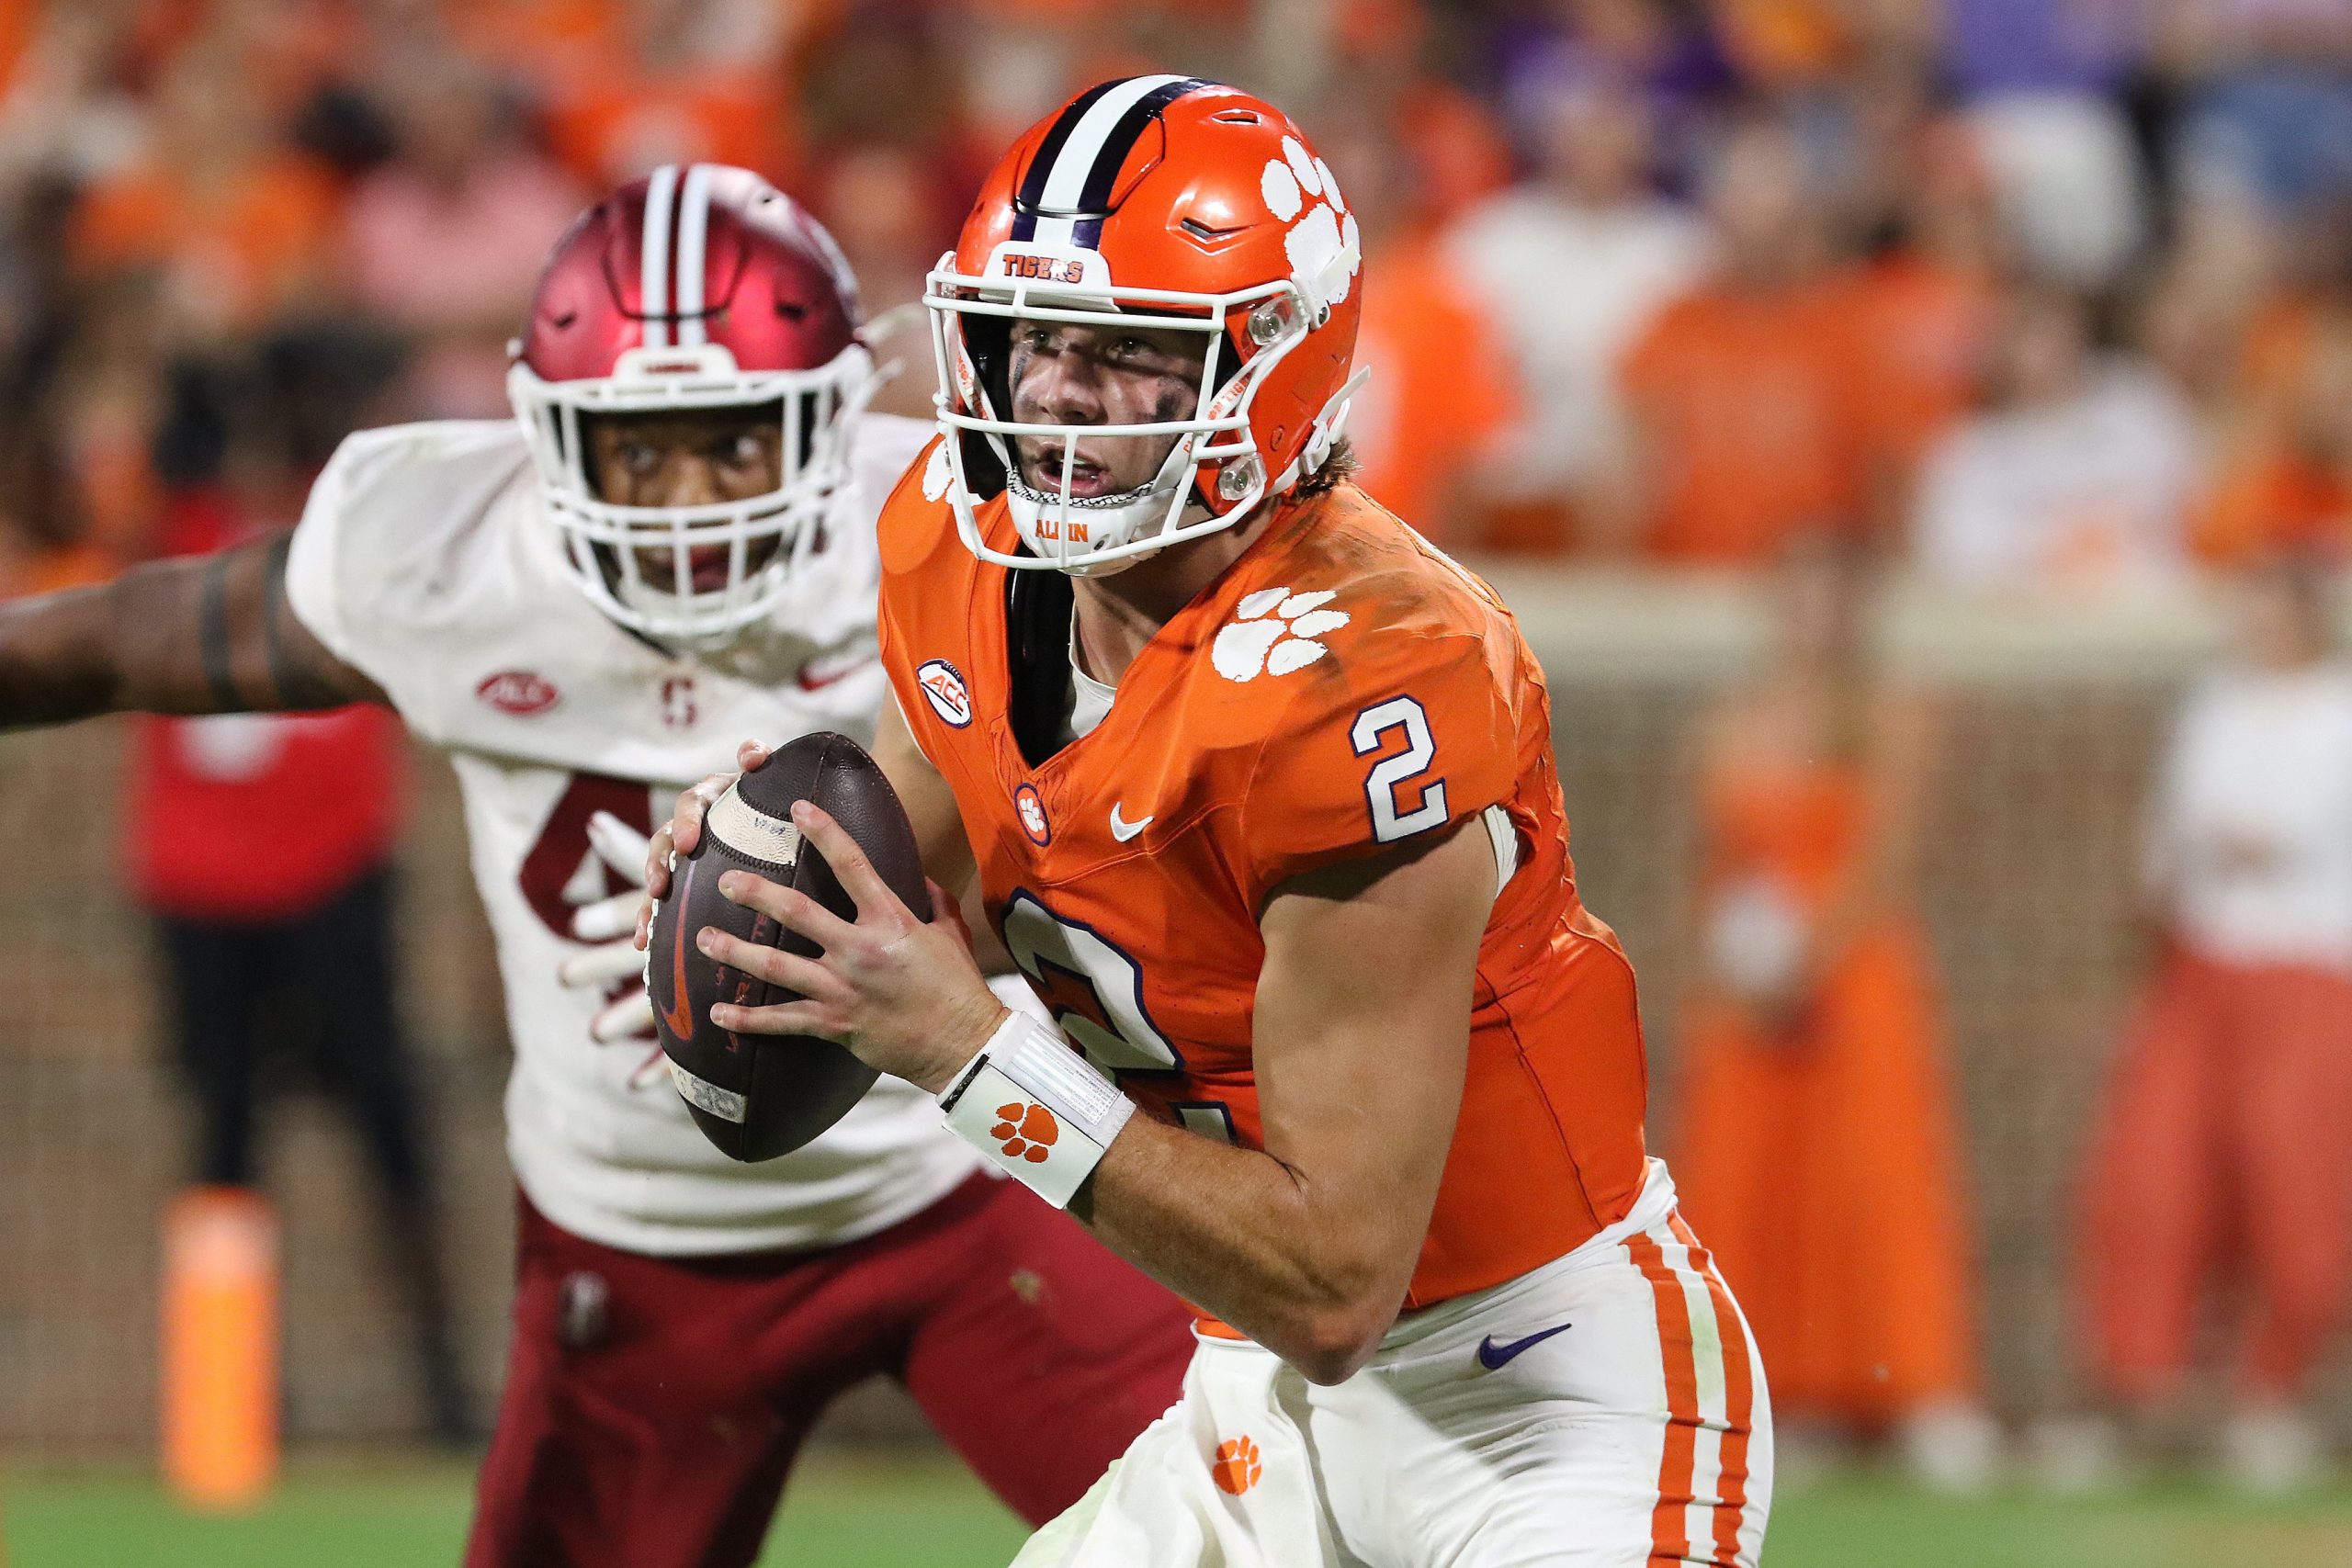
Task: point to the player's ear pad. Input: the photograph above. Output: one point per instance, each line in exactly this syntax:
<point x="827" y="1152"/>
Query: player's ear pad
<point x="759" y="1096"/>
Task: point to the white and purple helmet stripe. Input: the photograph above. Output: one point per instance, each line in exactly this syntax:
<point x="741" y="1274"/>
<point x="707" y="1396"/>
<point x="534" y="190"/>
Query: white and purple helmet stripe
<point x="1066" y="192"/>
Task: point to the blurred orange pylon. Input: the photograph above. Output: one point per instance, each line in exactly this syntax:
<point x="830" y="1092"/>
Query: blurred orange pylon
<point x="220" y="1348"/>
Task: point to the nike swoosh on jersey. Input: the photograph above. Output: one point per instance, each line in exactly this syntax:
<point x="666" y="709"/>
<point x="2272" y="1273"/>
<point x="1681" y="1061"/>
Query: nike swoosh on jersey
<point x="813" y="679"/>
<point x="681" y="1014"/>
<point x="1123" y="831"/>
<point x="1494" y="1356"/>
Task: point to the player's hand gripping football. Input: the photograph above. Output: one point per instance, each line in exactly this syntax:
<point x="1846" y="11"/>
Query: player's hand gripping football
<point x="679" y="835"/>
<point x="903" y="993"/>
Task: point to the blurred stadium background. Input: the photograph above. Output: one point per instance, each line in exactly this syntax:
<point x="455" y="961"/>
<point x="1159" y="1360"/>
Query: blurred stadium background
<point x="2099" y="248"/>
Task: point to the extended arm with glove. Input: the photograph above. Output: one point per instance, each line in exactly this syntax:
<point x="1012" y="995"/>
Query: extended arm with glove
<point x="608" y="924"/>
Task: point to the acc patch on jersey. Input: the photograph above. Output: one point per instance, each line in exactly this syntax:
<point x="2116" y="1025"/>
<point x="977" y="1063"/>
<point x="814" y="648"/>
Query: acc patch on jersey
<point x="944" y="689"/>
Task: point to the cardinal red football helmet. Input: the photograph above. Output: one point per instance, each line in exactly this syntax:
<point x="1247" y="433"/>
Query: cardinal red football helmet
<point x="1168" y="202"/>
<point x="702" y="287"/>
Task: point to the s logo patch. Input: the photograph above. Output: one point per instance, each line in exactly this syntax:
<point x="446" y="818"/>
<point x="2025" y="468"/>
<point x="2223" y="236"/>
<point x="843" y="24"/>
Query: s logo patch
<point x="944" y="689"/>
<point x="679" y="709"/>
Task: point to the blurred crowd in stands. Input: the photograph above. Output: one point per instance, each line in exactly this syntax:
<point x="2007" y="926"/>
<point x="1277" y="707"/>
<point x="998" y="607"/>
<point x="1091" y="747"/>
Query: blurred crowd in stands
<point x="2019" y="295"/>
<point x="2026" y="292"/>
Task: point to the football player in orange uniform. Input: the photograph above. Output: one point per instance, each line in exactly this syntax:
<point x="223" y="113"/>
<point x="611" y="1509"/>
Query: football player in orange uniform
<point x="1260" y="792"/>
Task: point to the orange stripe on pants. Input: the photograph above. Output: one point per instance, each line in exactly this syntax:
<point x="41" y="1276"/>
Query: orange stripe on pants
<point x="1669" y="1539"/>
<point x="1740" y="1400"/>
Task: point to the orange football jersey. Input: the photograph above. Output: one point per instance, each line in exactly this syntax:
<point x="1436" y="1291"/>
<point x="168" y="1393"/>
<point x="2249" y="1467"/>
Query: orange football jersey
<point x="1342" y="687"/>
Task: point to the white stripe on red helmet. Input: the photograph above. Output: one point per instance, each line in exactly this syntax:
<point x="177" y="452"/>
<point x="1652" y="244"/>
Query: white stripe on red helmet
<point x="694" y="229"/>
<point x="654" y="283"/>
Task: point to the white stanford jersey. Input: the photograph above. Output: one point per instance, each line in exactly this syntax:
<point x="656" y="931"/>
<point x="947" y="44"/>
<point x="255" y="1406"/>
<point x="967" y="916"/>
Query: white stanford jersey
<point x="421" y="561"/>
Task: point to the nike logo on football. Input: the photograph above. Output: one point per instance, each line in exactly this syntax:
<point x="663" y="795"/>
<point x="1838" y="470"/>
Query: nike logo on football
<point x="680" y="1015"/>
<point x="1123" y="831"/>
<point x="1495" y="1357"/>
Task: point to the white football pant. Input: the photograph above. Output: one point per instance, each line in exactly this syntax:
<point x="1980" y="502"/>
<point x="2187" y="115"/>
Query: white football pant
<point x="1606" y="1410"/>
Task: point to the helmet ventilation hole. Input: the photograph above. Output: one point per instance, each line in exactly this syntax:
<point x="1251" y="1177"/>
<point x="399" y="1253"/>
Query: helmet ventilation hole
<point x="1200" y="230"/>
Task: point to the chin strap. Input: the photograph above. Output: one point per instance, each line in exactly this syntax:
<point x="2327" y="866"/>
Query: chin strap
<point x="1332" y="421"/>
<point x="1323" y="434"/>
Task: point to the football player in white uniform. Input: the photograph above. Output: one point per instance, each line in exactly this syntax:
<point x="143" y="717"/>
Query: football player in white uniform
<point x="671" y="547"/>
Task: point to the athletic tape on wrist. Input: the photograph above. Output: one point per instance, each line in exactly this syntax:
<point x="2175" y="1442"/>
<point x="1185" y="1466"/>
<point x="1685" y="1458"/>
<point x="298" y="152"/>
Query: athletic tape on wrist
<point x="1035" y="1108"/>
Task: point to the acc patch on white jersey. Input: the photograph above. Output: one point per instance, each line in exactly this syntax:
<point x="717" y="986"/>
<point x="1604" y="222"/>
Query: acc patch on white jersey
<point x="423" y="560"/>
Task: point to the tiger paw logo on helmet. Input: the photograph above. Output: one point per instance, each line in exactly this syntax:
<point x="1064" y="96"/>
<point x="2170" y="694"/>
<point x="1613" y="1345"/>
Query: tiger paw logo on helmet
<point x="1323" y="246"/>
<point x="1274" y="632"/>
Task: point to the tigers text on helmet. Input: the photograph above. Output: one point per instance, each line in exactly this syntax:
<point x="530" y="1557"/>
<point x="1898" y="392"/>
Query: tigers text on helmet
<point x="696" y="287"/>
<point x="1158" y="202"/>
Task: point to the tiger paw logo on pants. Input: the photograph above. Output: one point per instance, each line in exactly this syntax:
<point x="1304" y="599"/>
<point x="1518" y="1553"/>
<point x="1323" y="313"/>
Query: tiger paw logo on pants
<point x="1237" y="1467"/>
<point x="1026" y="1132"/>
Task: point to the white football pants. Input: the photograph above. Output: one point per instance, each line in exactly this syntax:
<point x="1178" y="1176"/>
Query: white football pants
<point x="1606" y="1410"/>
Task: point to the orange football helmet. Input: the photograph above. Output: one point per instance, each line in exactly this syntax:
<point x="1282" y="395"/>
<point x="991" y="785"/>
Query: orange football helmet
<point x="1167" y="202"/>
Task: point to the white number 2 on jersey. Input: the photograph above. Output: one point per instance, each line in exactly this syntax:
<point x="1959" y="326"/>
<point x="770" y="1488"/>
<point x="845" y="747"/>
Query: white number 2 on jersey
<point x="1392" y="817"/>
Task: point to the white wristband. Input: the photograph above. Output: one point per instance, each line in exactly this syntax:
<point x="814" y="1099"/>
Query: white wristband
<point x="1037" y="1109"/>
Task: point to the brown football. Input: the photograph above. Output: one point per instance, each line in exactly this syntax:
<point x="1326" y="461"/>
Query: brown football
<point x="758" y="1096"/>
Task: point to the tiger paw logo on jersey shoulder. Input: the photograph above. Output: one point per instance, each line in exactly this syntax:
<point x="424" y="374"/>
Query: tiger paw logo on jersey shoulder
<point x="1026" y="1132"/>
<point x="940" y="471"/>
<point x="1032" y="807"/>
<point x="1237" y="1467"/>
<point x="944" y="689"/>
<point x="1324" y="247"/>
<point x="1274" y="632"/>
